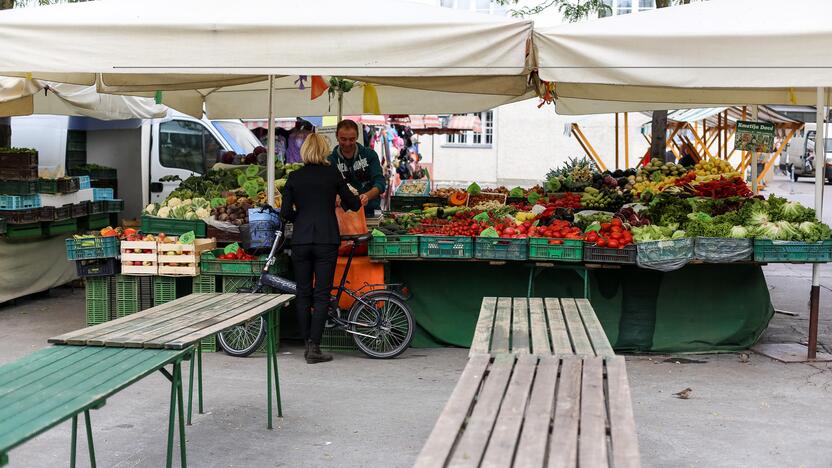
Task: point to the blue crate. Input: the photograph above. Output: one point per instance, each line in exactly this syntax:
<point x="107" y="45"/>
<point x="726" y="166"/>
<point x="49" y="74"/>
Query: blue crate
<point x="85" y="182"/>
<point x="19" y="202"/>
<point x="102" y="194"/>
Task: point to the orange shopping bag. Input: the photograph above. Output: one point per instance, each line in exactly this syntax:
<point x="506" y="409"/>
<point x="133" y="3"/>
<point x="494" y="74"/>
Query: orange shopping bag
<point x="351" y="223"/>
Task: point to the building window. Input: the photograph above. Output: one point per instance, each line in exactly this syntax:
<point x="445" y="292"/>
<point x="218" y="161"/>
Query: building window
<point x="624" y="7"/>
<point x="484" y="137"/>
<point x="487" y="7"/>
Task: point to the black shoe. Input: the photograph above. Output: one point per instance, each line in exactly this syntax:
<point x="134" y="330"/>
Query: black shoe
<point x="315" y="355"/>
<point x="308" y="346"/>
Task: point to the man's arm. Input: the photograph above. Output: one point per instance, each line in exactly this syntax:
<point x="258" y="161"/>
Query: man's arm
<point x="376" y="177"/>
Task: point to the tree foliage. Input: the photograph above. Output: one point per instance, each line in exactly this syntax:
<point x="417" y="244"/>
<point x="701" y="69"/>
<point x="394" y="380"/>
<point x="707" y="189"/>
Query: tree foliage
<point x="572" y="11"/>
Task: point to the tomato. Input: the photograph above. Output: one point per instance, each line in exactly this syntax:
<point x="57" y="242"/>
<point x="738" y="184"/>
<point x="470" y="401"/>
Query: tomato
<point x="601" y="242"/>
<point x="605" y="226"/>
<point x="616" y="222"/>
<point x="509" y="231"/>
<point x="556" y="242"/>
<point x="613" y="244"/>
<point x="616" y="234"/>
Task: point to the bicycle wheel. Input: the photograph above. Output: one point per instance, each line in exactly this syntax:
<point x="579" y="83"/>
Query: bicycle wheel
<point x="395" y="332"/>
<point x="242" y="340"/>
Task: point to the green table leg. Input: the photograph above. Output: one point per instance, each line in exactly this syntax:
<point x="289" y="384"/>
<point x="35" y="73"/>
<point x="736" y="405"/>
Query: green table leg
<point x="172" y="417"/>
<point x="177" y="377"/>
<point x="530" y="290"/>
<point x="73" y="441"/>
<point x="199" y="374"/>
<point x="191" y="385"/>
<point x="269" y="351"/>
<point x="274" y="321"/>
<point x="89" y="437"/>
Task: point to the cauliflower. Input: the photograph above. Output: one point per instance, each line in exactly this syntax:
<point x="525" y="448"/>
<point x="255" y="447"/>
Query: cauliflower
<point x="173" y="202"/>
<point x="187" y="202"/>
<point x="202" y="213"/>
<point x="201" y="203"/>
<point x="151" y="209"/>
<point x="180" y="211"/>
<point x="191" y="216"/>
<point x="164" y="212"/>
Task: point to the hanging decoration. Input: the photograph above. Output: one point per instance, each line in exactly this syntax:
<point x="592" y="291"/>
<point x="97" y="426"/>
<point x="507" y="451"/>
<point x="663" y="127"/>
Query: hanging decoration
<point x="337" y="88"/>
<point x="371" y="100"/>
<point x="319" y="86"/>
<point x="301" y="82"/>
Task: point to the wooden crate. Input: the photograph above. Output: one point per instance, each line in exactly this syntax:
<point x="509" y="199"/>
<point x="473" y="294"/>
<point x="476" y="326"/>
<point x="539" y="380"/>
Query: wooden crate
<point x="184" y="260"/>
<point x="128" y="256"/>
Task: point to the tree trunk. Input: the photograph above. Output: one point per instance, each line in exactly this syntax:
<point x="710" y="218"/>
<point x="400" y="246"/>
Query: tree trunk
<point x="5" y="132"/>
<point x="658" y="128"/>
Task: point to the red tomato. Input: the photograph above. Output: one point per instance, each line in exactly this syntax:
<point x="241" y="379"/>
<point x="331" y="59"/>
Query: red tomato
<point x="613" y="244"/>
<point x="601" y="242"/>
<point x="616" y="222"/>
<point x="605" y="226"/>
<point x="616" y="234"/>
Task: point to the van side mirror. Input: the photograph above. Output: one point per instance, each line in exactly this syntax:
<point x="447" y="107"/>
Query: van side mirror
<point x="156" y="187"/>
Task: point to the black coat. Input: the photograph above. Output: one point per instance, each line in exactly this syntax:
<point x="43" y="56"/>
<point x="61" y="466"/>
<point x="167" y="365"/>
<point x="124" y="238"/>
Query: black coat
<point x="309" y="203"/>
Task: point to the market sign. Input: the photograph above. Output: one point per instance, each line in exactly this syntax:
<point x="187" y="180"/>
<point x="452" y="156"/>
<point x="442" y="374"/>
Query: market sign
<point x="754" y="136"/>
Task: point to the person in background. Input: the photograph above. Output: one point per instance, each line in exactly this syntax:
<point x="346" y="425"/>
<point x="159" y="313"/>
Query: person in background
<point x="309" y="201"/>
<point x="359" y="165"/>
<point x="296" y="138"/>
<point x="687" y="159"/>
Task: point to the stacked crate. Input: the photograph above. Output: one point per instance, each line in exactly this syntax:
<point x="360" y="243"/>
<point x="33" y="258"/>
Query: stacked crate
<point x="19" y="200"/>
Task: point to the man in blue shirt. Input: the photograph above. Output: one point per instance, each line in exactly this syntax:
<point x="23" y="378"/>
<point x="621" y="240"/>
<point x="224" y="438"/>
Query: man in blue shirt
<point x="359" y="165"/>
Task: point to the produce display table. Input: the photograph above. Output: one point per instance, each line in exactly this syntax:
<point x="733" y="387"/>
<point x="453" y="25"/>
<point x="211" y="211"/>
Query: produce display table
<point x="699" y="308"/>
<point x="45" y="388"/>
<point x="182" y="323"/>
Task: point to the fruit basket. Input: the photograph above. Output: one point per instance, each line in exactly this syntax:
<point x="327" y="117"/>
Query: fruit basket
<point x="139" y="257"/>
<point x="182" y="259"/>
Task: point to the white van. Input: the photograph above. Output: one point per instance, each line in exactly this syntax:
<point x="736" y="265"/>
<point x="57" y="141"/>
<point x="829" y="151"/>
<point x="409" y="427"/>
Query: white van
<point x="143" y="151"/>
<point x="801" y="151"/>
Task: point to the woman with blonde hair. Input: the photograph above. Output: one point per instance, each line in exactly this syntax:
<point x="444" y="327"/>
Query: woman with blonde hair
<point x="309" y="200"/>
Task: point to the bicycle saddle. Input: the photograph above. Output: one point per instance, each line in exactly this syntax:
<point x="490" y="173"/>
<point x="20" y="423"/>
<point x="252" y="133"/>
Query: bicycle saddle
<point x="358" y="238"/>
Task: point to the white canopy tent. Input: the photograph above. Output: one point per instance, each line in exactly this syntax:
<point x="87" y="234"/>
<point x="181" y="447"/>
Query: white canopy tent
<point x="706" y="54"/>
<point x="195" y="48"/>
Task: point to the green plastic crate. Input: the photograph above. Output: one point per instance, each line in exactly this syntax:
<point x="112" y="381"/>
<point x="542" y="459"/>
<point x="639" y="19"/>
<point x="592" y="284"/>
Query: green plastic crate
<point x="113" y="206"/>
<point x="205" y="284"/>
<point x="210" y="264"/>
<point x="24" y="231"/>
<point x="792" y="252"/>
<point x="18" y="187"/>
<point x="495" y="248"/>
<point x="97" y="312"/>
<point x="404" y="246"/>
<point x="100" y="299"/>
<point x="98" y="288"/>
<point x="127" y="295"/>
<point x="87" y="248"/>
<point x="55" y="228"/>
<point x="164" y="289"/>
<point x="571" y="250"/>
<point x="446" y="247"/>
<point x="337" y="340"/>
<point x="626" y="256"/>
<point x="97" y="207"/>
<point x="98" y="221"/>
<point x="231" y="284"/>
<point x="173" y="227"/>
<point x="209" y="345"/>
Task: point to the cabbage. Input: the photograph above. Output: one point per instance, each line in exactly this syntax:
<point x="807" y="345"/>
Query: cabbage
<point x="759" y="216"/>
<point x="151" y="209"/>
<point x="738" y="232"/>
<point x="769" y="231"/>
<point x="179" y="212"/>
<point x="191" y="216"/>
<point x="814" y="231"/>
<point x="678" y="235"/>
<point x="788" y="231"/>
<point x="201" y="203"/>
<point x="173" y="202"/>
<point x="164" y="212"/>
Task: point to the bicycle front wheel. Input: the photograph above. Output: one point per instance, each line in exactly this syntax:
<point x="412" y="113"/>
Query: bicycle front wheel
<point x="392" y="336"/>
<point x="242" y="340"/>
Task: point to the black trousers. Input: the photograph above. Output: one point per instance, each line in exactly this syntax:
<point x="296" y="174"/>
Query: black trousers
<point x="314" y="264"/>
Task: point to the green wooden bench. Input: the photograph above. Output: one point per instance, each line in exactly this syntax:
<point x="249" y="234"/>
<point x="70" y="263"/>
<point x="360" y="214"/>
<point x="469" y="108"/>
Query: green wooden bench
<point x="541" y="326"/>
<point x="542" y="387"/>
<point x="50" y="386"/>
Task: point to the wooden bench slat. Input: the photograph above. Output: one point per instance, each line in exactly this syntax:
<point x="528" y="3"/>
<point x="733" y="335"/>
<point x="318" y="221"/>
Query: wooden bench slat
<point x="506" y="432"/>
<point x="531" y="452"/>
<point x="144" y="330"/>
<point x="625" y="452"/>
<point x="114" y="325"/>
<point x="469" y="450"/>
<point x="520" y="326"/>
<point x="596" y="332"/>
<point x="98" y="382"/>
<point x="537" y="324"/>
<point x="561" y="344"/>
<point x="485" y="323"/>
<point x="563" y="448"/>
<point x="438" y="447"/>
<point x="213" y="326"/>
<point x="575" y="325"/>
<point x="502" y="327"/>
<point x="225" y="308"/>
<point x="593" y="438"/>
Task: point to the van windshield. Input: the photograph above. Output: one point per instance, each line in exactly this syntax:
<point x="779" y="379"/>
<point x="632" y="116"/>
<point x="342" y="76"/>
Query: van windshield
<point x="238" y="136"/>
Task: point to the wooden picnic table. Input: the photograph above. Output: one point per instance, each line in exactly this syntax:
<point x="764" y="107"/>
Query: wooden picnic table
<point x="561" y="326"/>
<point x="182" y="323"/>
<point x="49" y="386"/>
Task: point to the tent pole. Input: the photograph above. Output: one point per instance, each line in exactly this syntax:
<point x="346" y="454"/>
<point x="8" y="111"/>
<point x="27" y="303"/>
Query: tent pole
<point x="626" y="140"/>
<point x="616" y="141"/>
<point x="340" y="105"/>
<point x="820" y="165"/>
<point x="754" y="185"/>
<point x="270" y="157"/>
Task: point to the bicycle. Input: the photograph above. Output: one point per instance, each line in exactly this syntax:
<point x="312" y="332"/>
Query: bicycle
<point x="380" y="321"/>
